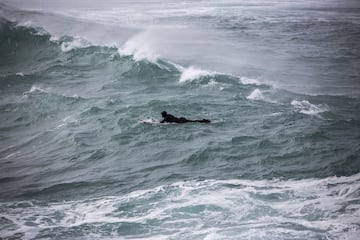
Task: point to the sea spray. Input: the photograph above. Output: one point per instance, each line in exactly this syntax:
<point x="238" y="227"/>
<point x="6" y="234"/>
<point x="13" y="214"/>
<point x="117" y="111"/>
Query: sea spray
<point x="140" y="47"/>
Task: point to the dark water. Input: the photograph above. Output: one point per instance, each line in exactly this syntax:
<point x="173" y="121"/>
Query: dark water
<point x="278" y="80"/>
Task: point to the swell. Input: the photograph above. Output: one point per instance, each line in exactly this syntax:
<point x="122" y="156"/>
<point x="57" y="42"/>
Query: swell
<point x="24" y="48"/>
<point x="37" y="55"/>
<point x="81" y="104"/>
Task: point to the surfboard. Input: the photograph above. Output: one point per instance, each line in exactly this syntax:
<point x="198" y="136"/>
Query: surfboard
<point x="148" y="121"/>
<point x="152" y="121"/>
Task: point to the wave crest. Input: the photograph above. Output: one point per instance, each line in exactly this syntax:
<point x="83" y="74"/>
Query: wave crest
<point x="192" y="73"/>
<point x="256" y="95"/>
<point x="140" y="47"/>
<point x="74" y="44"/>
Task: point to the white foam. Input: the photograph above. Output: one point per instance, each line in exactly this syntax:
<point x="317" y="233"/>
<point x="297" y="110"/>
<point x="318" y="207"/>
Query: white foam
<point x="306" y="107"/>
<point x="20" y="74"/>
<point x="212" y="82"/>
<point x="256" y="95"/>
<point x="275" y="114"/>
<point x="192" y="73"/>
<point x="54" y="38"/>
<point x="245" y="80"/>
<point x="76" y="43"/>
<point x="148" y="120"/>
<point x="35" y="88"/>
<point x="211" y="208"/>
<point x="177" y="66"/>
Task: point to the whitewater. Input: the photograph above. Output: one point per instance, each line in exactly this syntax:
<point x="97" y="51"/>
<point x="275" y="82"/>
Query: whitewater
<point x="82" y="152"/>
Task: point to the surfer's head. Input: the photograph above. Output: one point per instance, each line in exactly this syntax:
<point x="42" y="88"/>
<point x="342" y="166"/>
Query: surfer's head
<point x="163" y="113"/>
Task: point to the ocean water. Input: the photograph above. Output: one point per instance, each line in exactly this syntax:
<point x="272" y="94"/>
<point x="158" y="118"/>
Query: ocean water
<point x="280" y="81"/>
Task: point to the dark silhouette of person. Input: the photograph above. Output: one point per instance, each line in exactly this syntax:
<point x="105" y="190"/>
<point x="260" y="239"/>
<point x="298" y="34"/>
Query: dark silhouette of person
<point x="168" y="118"/>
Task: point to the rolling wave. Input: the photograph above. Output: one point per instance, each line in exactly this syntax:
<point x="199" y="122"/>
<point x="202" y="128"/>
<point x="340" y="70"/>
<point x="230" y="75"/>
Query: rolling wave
<point x="275" y="162"/>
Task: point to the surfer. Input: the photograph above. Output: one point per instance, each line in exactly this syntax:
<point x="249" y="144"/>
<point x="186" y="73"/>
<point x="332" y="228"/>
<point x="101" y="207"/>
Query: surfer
<point x="168" y="118"/>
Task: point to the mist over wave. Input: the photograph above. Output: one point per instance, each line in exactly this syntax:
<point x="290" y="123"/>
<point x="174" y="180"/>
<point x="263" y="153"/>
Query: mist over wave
<point x="83" y="154"/>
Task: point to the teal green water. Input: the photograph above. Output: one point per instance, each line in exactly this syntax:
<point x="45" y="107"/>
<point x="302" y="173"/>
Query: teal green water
<point x="280" y="160"/>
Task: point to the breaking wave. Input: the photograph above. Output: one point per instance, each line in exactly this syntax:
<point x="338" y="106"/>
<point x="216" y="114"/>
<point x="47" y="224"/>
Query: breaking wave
<point x="216" y="209"/>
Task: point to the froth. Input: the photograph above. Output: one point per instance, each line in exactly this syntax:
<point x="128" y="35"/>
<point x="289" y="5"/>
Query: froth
<point x="76" y="43"/>
<point x="309" y="208"/>
<point x="148" y="120"/>
<point x="306" y="107"/>
<point x="36" y="88"/>
<point x="256" y="95"/>
<point x="245" y="80"/>
<point x="191" y="73"/>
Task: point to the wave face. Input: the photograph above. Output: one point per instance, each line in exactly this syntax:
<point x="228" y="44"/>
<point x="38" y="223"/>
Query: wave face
<point x="82" y="152"/>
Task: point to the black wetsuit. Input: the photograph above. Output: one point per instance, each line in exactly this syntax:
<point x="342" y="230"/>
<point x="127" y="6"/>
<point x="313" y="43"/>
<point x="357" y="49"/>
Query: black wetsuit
<point x="168" y="118"/>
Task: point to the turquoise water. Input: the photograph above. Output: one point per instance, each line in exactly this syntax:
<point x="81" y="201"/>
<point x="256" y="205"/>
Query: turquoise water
<point x="278" y="80"/>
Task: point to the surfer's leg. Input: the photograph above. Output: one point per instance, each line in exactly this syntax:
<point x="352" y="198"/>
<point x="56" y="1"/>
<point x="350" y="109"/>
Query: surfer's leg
<point x="183" y="120"/>
<point x="203" y="121"/>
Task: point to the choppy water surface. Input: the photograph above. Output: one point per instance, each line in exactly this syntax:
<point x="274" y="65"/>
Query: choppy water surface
<point x="278" y="80"/>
